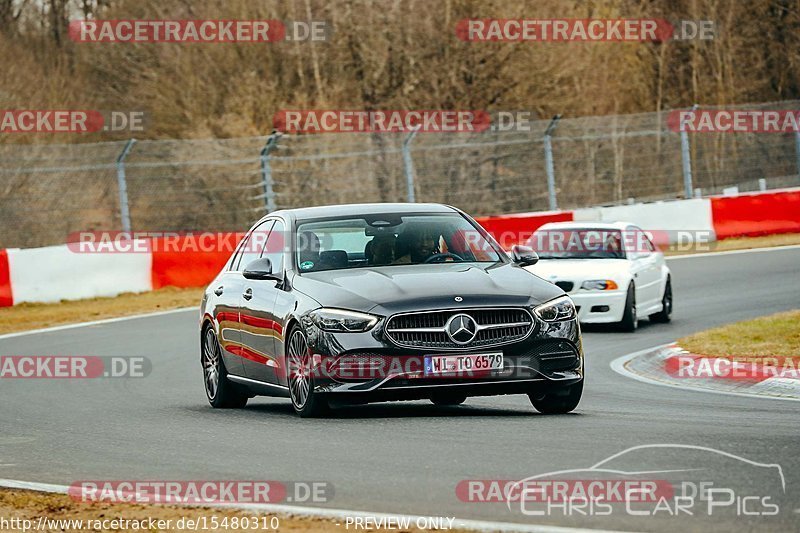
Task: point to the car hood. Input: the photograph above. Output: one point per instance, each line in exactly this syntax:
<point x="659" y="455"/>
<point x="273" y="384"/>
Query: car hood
<point x="580" y="269"/>
<point x="393" y="289"/>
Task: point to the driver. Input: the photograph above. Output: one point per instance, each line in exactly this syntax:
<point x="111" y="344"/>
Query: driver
<point x="614" y="244"/>
<point x="415" y="245"/>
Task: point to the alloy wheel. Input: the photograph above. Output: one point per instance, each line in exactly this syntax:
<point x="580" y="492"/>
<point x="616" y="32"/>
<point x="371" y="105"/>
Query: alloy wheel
<point x="211" y="361"/>
<point x="668" y="301"/>
<point x="299" y="369"/>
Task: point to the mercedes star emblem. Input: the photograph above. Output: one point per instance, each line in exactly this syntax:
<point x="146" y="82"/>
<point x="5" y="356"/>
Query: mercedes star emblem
<point x="461" y="329"/>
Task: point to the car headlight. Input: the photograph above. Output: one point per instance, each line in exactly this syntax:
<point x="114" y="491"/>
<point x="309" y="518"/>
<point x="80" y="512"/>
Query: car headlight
<point x="600" y="285"/>
<point x="556" y="310"/>
<point x="341" y="320"/>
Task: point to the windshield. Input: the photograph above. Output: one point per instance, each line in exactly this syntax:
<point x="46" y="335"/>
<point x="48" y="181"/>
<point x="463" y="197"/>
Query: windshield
<point x="578" y="244"/>
<point x="390" y="239"/>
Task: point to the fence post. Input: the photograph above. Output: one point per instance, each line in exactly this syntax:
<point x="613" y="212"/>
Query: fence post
<point x="122" y="185"/>
<point x="408" y="166"/>
<point x="266" y="172"/>
<point x="548" y="163"/>
<point x="686" y="158"/>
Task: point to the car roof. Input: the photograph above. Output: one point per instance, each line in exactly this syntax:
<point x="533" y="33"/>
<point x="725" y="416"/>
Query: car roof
<point x="588" y="224"/>
<point x="325" y="211"/>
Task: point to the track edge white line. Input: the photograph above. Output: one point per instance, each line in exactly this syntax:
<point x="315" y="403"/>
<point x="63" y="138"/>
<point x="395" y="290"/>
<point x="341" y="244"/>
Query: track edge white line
<point x="97" y="322"/>
<point x="733" y="252"/>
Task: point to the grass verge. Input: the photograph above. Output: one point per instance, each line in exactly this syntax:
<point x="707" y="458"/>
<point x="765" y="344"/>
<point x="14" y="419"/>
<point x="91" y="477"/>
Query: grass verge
<point x="28" y="316"/>
<point x="769" y="336"/>
<point x="57" y="508"/>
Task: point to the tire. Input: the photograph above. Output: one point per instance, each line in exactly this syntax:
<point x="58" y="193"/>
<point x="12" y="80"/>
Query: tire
<point x="448" y="400"/>
<point x="629" y="320"/>
<point x="306" y="402"/>
<point x="220" y="392"/>
<point x="665" y="315"/>
<point x="558" y="401"/>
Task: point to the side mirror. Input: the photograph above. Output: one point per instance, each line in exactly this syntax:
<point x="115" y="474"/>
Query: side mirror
<point x="260" y="269"/>
<point x="524" y="255"/>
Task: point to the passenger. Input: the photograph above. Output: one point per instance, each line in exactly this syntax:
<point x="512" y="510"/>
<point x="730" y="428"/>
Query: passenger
<point x="382" y="250"/>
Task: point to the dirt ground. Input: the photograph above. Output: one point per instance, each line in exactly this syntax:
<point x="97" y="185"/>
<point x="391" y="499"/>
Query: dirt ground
<point x="56" y="510"/>
<point x="27" y="316"/>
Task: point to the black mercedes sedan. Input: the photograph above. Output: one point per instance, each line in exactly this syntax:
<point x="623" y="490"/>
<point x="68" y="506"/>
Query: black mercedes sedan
<point x="361" y="303"/>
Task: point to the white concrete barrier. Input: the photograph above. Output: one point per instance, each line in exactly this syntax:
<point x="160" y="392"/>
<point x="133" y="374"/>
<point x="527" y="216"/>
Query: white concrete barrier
<point x="680" y="220"/>
<point x="55" y="273"/>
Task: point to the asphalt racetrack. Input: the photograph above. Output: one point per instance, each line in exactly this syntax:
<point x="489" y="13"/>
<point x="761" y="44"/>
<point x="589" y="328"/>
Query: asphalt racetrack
<point x="409" y="457"/>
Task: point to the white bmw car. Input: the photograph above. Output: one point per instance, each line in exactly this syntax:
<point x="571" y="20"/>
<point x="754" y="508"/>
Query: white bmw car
<point x="612" y="271"/>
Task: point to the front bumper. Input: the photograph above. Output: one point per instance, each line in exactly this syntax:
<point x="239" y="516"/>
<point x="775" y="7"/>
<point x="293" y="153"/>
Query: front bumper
<point x="599" y="307"/>
<point x="369" y="367"/>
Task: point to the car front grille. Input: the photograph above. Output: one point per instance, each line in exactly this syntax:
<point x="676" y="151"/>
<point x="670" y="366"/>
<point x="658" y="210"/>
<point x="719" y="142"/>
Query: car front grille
<point x="495" y="326"/>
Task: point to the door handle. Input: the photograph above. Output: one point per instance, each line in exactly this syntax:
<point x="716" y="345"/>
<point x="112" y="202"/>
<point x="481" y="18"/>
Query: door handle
<point x="218" y="291"/>
<point x="248" y="294"/>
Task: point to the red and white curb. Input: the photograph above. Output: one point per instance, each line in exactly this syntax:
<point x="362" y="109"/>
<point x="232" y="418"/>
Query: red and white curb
<point x="671" y="366"/>
<point x="334" y="514"/>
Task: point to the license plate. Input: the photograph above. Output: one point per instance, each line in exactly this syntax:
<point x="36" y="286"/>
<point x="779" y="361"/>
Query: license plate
<point x="456" y="364"/>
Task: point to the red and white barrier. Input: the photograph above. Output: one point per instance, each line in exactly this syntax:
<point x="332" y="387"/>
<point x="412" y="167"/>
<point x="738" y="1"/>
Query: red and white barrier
<point x="6" y="296"/>
<point x="64" y="272"/>
<point x="187" y="263"/>
<point x="57" y="273"/>
<point x="707" y="219"/>
<point x="760" y="213"/>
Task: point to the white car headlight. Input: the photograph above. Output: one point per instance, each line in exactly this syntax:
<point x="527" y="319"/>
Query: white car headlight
<point x="600" y="285"/>
<point x="556" y="310"/>
<point x="342" y="320"/>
